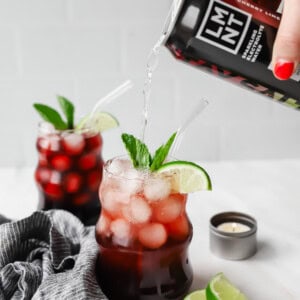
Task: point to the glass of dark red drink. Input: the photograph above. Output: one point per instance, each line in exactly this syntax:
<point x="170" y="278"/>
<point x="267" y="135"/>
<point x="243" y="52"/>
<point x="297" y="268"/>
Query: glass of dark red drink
<point x="143" y="234"/>
<point x="143" y="231"/>
<point x="69" y="170"/>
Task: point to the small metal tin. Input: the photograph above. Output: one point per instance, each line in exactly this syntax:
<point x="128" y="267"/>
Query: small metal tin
<point x="233" y="245"/>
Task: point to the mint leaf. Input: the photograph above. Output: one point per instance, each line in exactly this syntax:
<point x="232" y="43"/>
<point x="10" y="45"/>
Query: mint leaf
<point x="143" y="156"/>
<point x="68" y="110"/>
<point x="50" y="115"/>
<point x="130" y="145"/>
<point x="161" y="153"/>
<point x="137" y="150"/>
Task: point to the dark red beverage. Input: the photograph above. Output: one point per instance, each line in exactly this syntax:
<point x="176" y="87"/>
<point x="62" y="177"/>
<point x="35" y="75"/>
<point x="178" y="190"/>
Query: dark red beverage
<point x="159" y="274"/>
<point x="69" y="171"/>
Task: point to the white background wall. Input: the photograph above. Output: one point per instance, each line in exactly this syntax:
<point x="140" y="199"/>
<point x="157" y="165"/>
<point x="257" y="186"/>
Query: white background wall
<point x="84" y="48"/>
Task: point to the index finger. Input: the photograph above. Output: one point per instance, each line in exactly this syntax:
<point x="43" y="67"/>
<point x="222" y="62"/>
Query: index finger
<point x="286" y="48"/>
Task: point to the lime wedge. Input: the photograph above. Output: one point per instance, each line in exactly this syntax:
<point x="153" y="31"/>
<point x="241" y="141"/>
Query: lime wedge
<point x="196" y="295"/>
<point x="220" y="288"/>
<point x="187" y="177"/>
<point x="99" y="121"/>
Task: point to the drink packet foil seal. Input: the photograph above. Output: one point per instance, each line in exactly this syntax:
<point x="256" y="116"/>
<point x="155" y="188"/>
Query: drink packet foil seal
<point x="233" y="39"/>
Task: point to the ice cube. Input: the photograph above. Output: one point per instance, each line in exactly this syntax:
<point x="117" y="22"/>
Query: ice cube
<point x="113" y="190"/>
<point x="121" y="232"/>
<point x="132" y="174"/>
<point x="46" y="128"/>
<point x="43" y="159"/>
<point x="42" y="175"/>
<point x="53" y="190"/>
<point x="156" y="189"/>
<point x="73" y="143"/>
<point x="72" y="182"/>
<point x="49" y="143"/>
<point x="130" y="187"/>
<point x="168" y="209"/>
<point x="109" y="200"/>
<point x="87" y="161"/>
<point x="122" y="197"/>
<point x="103" y="225"/>
<point x="55" y="177"/>
<point x="138" y="210"/>
<point x="107" y="181"/>
<point x="126" y="213"/>
<point x="119" y="166"/>
<point x="110" y="184"/>
<point x="179" y="229"/>
<point x="131" y="182"/>
<point x="152" y="235"/>
<point x="61" y="162"/>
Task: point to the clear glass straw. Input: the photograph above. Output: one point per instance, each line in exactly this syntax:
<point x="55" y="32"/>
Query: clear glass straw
<point x="190" y="118"/>
<point x="117" y="92"/>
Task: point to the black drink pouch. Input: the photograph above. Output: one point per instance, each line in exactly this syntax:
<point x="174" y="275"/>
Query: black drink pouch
<point x="233" y="39"/>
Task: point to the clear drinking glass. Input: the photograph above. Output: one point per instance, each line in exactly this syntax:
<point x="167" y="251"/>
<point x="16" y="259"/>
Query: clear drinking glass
<point x="143" y="233"/>
<point x="69" y="171"/>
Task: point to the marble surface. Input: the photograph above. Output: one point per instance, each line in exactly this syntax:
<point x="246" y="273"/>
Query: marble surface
<point x="267" y="190"/>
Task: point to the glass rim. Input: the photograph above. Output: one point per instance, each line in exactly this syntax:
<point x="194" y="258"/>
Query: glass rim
<point x="44" y="130"/>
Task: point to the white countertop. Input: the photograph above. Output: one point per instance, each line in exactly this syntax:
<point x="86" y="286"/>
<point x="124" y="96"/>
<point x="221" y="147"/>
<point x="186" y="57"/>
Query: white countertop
<point x="267" y="190"/>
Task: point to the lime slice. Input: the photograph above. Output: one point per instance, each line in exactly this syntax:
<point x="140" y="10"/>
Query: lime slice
<point x="196" y="295"/>
<point x="187" y="177"/>
<point x="99" y="121"/>
<point x="220" y="288"/>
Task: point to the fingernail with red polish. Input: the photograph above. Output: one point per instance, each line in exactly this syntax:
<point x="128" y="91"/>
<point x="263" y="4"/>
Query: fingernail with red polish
<point x="284" y="69"/>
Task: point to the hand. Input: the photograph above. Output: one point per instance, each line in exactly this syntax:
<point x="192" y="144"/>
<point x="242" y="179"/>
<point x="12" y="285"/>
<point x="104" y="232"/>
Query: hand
<point x="286" y="50"/>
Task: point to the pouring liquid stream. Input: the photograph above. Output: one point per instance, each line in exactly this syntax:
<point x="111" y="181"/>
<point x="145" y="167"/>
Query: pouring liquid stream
<point x="152" y="63"/>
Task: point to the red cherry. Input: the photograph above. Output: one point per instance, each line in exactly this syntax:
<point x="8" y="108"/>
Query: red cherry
<point x="72" y="182"/>
<point x="54" y="191"/>
<point x="61" y="162"/>
<point x="94" y="179"/>
<point x="87" y="161"/>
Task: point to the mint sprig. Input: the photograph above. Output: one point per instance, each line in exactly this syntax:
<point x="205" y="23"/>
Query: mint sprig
<point x="137" y="150"/>
<point x="140" y="155"/>
<point x="52" y="116"/>
<point x="161" y="153"/>
<point x="68" y="110"/>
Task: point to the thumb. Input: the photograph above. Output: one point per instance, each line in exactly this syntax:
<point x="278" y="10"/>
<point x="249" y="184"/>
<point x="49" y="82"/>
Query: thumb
<point x="286" y="50"/>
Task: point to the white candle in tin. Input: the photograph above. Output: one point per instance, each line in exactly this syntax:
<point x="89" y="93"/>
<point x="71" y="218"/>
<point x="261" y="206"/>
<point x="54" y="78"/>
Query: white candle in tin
<point x="233" y="227"/>
<point x="233" y="235"/>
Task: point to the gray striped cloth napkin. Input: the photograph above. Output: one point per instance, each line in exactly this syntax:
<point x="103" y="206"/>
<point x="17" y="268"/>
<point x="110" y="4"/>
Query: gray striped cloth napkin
<point x="49" y="255"/>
